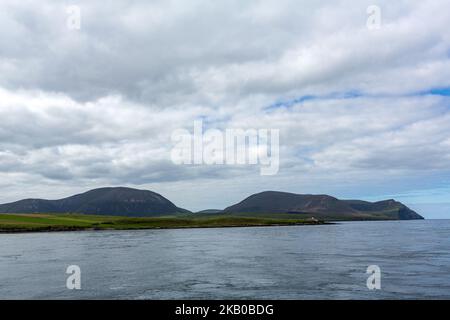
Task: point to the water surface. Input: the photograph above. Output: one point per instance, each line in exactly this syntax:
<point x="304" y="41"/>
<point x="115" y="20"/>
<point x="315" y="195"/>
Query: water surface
<point x="295" y="262"/>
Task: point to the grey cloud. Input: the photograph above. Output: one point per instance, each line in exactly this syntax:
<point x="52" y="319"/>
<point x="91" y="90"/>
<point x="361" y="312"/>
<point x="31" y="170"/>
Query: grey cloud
<point x="161" y="53"/>
<point x="94" y="107"/>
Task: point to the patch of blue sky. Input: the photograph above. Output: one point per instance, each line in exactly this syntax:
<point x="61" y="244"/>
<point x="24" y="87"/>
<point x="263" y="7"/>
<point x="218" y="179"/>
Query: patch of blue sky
<point x="443" y="91"/>
<point x="287" y="104"/>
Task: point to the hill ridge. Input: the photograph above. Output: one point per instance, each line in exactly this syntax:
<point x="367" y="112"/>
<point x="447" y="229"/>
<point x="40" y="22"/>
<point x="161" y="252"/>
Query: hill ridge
<point x="321" y="206"/>
<point x="101" y="201"/>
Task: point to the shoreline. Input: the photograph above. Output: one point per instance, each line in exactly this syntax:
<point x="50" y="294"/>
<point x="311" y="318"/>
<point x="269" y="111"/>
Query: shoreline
<point x="57" y="229"/>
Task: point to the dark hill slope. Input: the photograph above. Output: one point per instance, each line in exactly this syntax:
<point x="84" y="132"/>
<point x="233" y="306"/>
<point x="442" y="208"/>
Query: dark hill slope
<point x="104" y="201"/>
<point x="321" y="206"/>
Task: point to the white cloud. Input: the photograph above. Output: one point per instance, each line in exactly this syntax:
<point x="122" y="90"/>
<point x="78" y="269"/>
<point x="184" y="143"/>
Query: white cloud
<point x="94" y="107"/>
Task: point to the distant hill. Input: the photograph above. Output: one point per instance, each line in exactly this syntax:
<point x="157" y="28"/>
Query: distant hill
<point x="209" y="211"/>
<point x="325" y="207"/>
<point x="270" y="204"/>
<point x="104" y="201"/>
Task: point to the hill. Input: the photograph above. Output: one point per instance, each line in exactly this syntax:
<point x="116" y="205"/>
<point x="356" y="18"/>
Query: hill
<point x="104" y="201"/>
<point x="283" y="204"/>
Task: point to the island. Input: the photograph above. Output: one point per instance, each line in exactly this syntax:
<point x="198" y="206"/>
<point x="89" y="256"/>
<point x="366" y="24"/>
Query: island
<point x="123" y="208"/>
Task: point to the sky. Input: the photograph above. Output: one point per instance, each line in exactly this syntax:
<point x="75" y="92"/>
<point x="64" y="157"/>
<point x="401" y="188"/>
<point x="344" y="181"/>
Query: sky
<point x="362" y="112"/>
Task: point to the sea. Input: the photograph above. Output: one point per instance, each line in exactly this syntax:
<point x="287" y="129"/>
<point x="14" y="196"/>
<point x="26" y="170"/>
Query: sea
<point x="346" y="260"/>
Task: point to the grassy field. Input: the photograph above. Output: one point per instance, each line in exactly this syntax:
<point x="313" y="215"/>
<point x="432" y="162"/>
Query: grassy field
<point x="74" y="222"/>
<point x="371" y="216"/>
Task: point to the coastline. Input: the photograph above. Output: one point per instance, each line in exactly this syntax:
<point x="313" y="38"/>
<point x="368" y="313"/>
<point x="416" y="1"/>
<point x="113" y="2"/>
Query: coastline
<point x="35" y="223"/>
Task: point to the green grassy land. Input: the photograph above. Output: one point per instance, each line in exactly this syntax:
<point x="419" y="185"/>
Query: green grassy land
<point x="73" y="222"/>
<point x="360" y="216"/>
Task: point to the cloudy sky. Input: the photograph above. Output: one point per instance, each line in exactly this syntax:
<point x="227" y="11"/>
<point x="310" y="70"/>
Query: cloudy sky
<point x="362" y="112"/>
